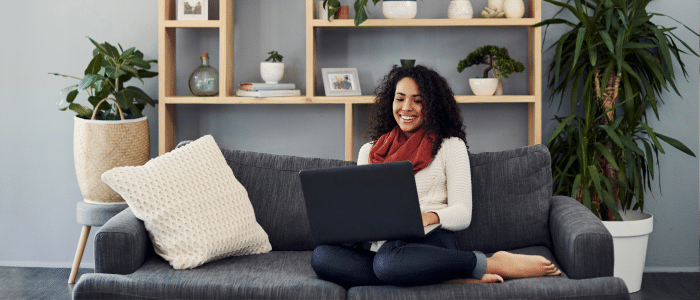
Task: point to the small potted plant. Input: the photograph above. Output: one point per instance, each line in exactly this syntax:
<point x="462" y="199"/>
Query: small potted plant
<point x="109" y="135"/>
<point x="498" y="61"/>
<point x="406" y="9"/>
<point x="272" y="69"/>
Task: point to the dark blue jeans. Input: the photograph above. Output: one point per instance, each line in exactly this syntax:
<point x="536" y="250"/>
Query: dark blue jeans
<point x="431" y="260"/>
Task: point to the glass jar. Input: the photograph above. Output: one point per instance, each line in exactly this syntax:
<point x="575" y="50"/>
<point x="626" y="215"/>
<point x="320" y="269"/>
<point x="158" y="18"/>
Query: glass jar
<point x="204" y="81"/>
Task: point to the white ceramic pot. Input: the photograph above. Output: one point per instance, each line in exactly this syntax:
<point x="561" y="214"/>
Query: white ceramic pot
<point x="404" y="9"/>
<point x="514" y="8"/>
<point x="271" y="72"/>
<point x="460" y="9"/>
<point x="322" y="12"/>
<point x="496" y="4"/>
<point x="630" y="238"/>
<point x="483" y="86"/>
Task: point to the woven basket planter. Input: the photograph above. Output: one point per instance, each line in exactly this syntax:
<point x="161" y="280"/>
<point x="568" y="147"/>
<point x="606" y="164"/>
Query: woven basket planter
<point x="99" y="146"/>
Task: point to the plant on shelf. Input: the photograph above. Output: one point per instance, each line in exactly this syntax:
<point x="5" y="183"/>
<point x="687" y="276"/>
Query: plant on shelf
<point x="613" y="64"/>
<point x="360" y="6"/>
<point x="272" y="69"/>
<point x="105" y="76"/>
<point x="498" y="61"/>
<point x="274" y="56"/>
<point x="496" y="58"/>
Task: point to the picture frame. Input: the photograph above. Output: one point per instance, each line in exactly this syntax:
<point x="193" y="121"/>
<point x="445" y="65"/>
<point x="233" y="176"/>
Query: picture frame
<point x="193" y="10"/>
<point x="341" y="82"/>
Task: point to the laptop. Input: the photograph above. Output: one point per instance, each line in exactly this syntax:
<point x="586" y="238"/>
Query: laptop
<point x="364" y="203"/>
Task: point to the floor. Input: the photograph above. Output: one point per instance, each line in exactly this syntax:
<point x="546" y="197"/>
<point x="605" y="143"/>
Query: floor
<point x="49" y="283"/>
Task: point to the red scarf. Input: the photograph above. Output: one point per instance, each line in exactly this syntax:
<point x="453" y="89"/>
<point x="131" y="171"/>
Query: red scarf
<point x="394" y="146"/>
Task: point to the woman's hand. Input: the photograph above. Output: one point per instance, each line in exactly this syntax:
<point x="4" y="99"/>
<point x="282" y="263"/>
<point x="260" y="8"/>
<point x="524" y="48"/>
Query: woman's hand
<point x="430" y="218"/>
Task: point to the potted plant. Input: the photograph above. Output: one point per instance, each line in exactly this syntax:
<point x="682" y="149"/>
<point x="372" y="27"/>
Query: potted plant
<point x="498" y="61"/>
<point x="361" y="14"/>
<point x="613" y="64"/>
<point x="108" y="135"/>
<point x="272" y="69"/>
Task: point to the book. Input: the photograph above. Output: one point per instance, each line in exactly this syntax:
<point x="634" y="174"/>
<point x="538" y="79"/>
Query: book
<point x="268" y="93"/>
<point x="266" y="86"/>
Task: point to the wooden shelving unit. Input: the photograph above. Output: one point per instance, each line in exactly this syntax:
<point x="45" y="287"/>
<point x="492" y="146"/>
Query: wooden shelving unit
<point x="167" y="26"/>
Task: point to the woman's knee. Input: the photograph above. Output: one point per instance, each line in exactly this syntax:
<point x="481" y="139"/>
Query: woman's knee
<point x="321" y="258"/>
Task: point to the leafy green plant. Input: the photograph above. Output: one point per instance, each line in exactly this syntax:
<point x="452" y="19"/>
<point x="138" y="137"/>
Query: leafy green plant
<point x="274" y="56"/>
<point x="496" y="58"/>
<point x="614" y="63"/>
<point x="105" y="76"/>
<point x="360" y="6"/>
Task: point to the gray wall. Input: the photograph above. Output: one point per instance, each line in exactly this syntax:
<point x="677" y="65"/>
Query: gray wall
<point x="38" y="188"/>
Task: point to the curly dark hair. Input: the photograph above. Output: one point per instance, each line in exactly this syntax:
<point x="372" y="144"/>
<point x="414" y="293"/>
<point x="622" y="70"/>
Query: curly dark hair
<point x="440" y="110"/>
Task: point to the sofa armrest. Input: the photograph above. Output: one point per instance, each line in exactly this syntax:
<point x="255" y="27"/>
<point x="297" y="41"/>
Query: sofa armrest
<point x="122" y="244"/>
<point x="582" y="245"/>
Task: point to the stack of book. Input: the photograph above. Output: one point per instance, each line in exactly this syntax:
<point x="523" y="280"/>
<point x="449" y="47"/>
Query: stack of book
<point x="260" y="90"/>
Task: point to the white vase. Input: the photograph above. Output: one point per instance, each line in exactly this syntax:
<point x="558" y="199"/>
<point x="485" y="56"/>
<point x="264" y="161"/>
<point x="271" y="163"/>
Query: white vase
<point x="483" y="86"/>
<point x="271" y="72"/>
<point x="630" y="238"/>
<point x="460" y="9"/>
<point x="496" y="4"/>
<point x="514" y="8"/>
<point x="399" y="9"/>
<point x="323" y="12"/>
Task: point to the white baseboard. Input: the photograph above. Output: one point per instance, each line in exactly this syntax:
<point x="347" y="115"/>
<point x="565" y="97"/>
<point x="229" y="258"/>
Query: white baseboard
<point x="44" y="264"/>
<point x="671" y="269"/>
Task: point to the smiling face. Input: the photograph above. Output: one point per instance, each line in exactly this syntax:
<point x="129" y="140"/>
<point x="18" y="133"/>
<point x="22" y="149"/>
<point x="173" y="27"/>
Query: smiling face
<point x="407" y="106"/>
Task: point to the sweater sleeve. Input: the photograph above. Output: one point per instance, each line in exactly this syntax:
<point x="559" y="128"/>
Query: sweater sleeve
<point x="363" y="155"/>
<point x="458" y="213"/>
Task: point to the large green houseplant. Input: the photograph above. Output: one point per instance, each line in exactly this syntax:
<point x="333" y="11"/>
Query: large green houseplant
<point x="109" y="135"/>
<point x="109" y="69"/>
<point x="612" y="65"/>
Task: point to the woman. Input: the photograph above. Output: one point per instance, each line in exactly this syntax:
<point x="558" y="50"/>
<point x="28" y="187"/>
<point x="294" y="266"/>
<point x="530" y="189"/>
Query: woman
<point x="416" y="118"/>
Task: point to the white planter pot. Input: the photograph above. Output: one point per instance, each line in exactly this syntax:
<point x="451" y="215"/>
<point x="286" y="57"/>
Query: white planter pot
<point x="630" y="238"/>
<point x="399" y="9"/>
<point x="483" y="86"/>
<point x="271" y="72"/>
<point x="99" y="146"/>
<point x="460" y="9"/>
<point x="514" y="8"/>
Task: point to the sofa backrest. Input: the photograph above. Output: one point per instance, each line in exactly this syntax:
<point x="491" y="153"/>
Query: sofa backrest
<point x="511" y="193"/>
<point x="272" y="183"/>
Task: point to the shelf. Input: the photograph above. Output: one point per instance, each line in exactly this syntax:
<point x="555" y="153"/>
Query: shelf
<point x="333" y="100"/>
<point x="192" y="24"/>
<point x="426" y="22"/>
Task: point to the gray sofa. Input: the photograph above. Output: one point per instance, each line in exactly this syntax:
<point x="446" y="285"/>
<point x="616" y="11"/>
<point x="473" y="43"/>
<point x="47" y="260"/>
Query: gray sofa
<point x="513" y="209"/>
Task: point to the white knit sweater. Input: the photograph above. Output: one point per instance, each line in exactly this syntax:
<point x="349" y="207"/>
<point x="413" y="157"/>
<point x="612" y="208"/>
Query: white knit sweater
<point x="444" y="186"/>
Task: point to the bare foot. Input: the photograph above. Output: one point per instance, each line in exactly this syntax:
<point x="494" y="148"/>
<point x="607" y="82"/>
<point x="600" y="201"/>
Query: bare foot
<point x="488" y="278"/>
<point x="510" y="265"/>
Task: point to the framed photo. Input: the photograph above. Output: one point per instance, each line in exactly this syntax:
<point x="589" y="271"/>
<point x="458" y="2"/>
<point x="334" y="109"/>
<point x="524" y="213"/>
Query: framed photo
<point x="192" y="9"/>
<point x="341" y="82"/>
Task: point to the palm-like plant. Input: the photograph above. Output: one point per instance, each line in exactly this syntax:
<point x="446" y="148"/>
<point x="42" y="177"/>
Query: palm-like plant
<point x="614" y="63"/>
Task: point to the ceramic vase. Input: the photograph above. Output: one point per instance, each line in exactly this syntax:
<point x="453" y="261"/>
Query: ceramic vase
<point x="323" y="12"/>
<point x="514" y="8"/>
<point x="460" y="9"/>
<point x="496" y="4"/>
<point x="399" y="9"/>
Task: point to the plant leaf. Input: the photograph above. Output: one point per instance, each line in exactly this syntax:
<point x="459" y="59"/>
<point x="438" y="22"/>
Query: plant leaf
<point x="676" y="144"/>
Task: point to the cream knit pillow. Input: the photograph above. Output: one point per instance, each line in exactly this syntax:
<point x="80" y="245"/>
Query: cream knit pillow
<point x="192" y="206"/>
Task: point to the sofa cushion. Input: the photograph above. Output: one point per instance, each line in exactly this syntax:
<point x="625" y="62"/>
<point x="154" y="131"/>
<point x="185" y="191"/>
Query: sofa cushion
<point x="273" y="185"/>
<point x="274" y="275"/>
<point x="192" y="205"/>
<point x="511" y="193"/>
